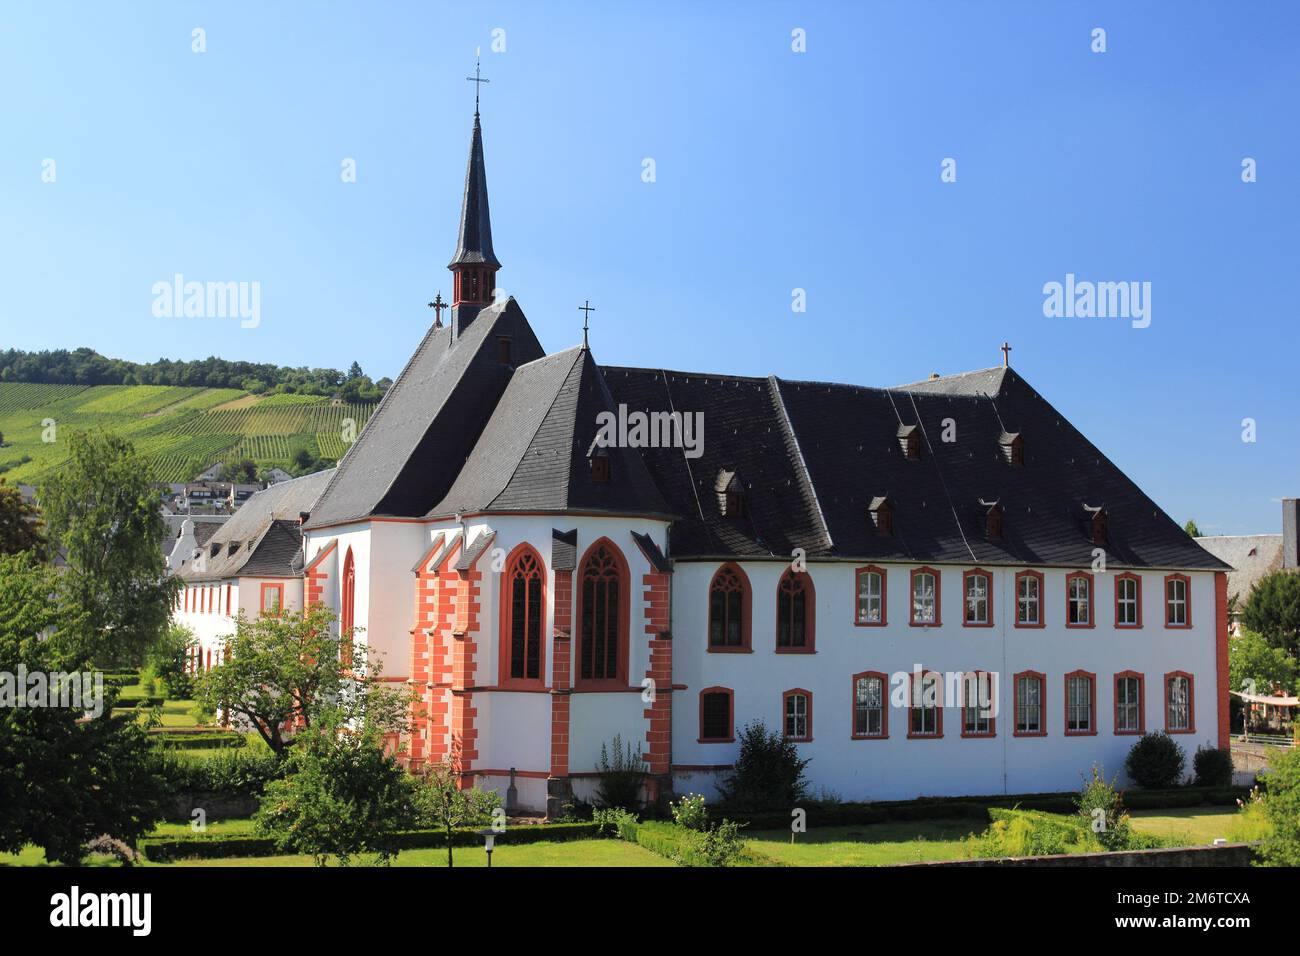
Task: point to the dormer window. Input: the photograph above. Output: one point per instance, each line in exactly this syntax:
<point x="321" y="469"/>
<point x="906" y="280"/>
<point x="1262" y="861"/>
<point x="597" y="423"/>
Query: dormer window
<point x="881" y="513"/>
<point x="992" y="519"/>
<point x="1013" y="448"/>
<point x="731" y="494"/>
<point x="1098" y="525"/>
<point x="600" y="469"/>
<point x="909" y="439"/>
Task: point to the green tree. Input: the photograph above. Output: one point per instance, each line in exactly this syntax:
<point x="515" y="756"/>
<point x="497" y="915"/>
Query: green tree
<point x="1251" y="658"/>
<point x="71" y="774"/>
<point x="240" y="471"/>
<point x="20" y="525"/>
<point x="1191" y="528"/>
<point x="768" y="774"/>
<point x="444" y="805"/>
<point x="102" y="513"/>
<point x="287" y="669"/>
<point x="342" y="795"/>
<point x="1281" y="846"/>
<point x="168" y="661"/>
<point x="1273" y="610"/>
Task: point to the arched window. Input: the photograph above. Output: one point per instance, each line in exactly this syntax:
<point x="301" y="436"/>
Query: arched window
<point x="729" y="618"/>
<point x="347" y="619"/>
<point x="603" y="611"/>
<point x="523" y="603"/>
<point x="795" y="609"/>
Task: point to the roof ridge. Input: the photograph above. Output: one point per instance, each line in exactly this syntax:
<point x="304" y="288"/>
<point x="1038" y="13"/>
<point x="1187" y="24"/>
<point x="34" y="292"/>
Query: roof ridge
<point x="783" y="415"/>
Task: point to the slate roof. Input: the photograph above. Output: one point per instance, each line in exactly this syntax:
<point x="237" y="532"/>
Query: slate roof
<point x="1252" y="556"/>
<point x="474" y="241"/>
<point x="412" y="448"/>
<point x="532" y="456"/>
<point x="263" y="538"/>
<point x="814" y="455"/>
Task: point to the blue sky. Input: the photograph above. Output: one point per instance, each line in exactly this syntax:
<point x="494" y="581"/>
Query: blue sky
<point x="775" y="170"/>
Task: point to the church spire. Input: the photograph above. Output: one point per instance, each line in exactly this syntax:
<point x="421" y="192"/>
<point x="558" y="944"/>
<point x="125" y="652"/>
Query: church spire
<point x="474" y="266"/>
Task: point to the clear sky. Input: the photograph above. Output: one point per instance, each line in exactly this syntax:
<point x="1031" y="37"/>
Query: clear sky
<point x="774" y="170"/>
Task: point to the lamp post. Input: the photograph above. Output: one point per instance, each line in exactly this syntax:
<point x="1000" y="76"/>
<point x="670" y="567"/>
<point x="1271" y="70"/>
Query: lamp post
<point x="489" y="840"/>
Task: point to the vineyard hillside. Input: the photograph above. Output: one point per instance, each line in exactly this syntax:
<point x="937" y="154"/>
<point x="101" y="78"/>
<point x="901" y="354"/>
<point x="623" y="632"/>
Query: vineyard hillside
<point x="181" y="431"/>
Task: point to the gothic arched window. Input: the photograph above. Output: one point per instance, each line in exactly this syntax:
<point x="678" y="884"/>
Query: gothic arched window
<point x="794" y="613"/>
<point x="523" y="609"/>
<point x="347" y="619"/>
<point x="603" y="610"/>
<point x="729" y="610"/>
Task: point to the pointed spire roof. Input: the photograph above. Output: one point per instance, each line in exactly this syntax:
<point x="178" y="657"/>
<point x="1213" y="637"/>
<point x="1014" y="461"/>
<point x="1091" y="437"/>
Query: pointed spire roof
<point x="474" y="240"/>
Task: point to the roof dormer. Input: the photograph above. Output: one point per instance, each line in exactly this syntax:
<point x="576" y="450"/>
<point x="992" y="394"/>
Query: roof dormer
<point x="909" y="439"/>
<point x="1012" y="446"/>
<point x="730" y="492"/>
<point x="1098" y="522"/>
<point x="881" y="515"/>
<point x="992" y="511"/>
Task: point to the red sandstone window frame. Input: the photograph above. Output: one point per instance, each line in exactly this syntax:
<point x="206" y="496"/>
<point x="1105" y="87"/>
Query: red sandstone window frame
<point x="988" y="598"/>
<point x="506" y="621"/>
<point x="1141" y="703"/>
<point x="857" y="596"/>
<point x="911" y="598"/>
<point x="746" y="612"/>
<point x="1037" y="576"/>
<point x="1092" y="599"/>
<point x="227" y="600"/>
<point x="884" y="706"/>
<point x="805" y="582"/>
<point x="268" y="587"/>
<point x="619" y="681"/>
<point x="1191" y="702"/>
<point x="808" y="715"/>
<point x="1137" y="578"/>
<point x="972" y="678"/>
<point x="915" y="681"/>
<point x="1041" y="678"/>
<point x="731" y="716"/>
<point x="1091" y="678"/>
<point x="1187" y="601"/>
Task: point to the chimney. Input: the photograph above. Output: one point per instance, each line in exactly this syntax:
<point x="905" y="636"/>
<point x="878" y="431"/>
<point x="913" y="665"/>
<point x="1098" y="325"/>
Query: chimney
<point x="1291" y="533"/>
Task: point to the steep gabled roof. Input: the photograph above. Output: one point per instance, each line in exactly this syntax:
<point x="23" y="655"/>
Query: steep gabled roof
<point x="263" y="538"/>
<point x="413" y="446"/>
<point x="474" y="240"/>
<point x="1252" y="556"/>
<point x="532" y="456"/>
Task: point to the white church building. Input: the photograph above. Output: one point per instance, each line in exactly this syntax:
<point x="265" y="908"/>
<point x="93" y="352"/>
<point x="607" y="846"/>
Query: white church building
<point x="935" y="589"/>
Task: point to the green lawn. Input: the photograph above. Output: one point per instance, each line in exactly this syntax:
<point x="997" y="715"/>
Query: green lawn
<point x="875" y="844"/>
<point x="1188" y="826"/>
<point x="563" y="853"/>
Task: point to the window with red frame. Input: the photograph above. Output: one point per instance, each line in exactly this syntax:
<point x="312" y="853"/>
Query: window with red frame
<point x="1128" y="601"/>
<point x="794" y="612"/>
<point x="924" y="716"/>
<point x="869" y="716"/>
<point x="925" y="596"/>
<point x="1078" y="600"/>
<point x="797" y="705"/>
<point x="602" y="587"/>
<point x="979" y="599"/>
<point x="1029" y="599"/>
<point x="1080" y="703"/>
<point x="1031" y="715"/>
<point x="728" y="600"/>
<point x="1177" y="601"/>
<point x="871" y="596"/>
<point x="524" y="611"/>
<point x="272" y="598"/>
<point x="1178" y="703"/>
<point x="1128" y="704"/>
<point x="716" y="715"/>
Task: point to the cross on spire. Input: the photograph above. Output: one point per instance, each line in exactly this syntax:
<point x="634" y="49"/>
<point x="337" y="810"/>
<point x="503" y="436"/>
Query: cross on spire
<point x="586" y="309"/>
<point x="1006" y="350"/>
<point x="437" y="305"/>
<point x="476" y="79"/>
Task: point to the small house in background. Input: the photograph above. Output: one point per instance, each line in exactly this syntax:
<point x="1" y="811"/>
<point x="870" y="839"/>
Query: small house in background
<point x="1255" y="556"/>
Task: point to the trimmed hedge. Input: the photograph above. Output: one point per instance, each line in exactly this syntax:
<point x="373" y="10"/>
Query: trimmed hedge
<point x="199" y="847"/>
<point x="977" y="808"/>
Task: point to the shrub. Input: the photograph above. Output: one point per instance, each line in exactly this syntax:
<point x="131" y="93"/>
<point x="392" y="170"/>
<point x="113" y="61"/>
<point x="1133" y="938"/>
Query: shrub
<point x="1032" y="833"/>
<point x="1156" y="761"/>
<point x="615" y="822"/>
<point x="1213" y="766"/>
<point x="720" y="845"/>
<point x="234" y="773"/>
<point x="165" y="669"/>
<point x="1102" y="811"/>
<point x="690" y="812"/>
<point x="768" y="774"/>
<point x="620" y="775"/>
<point x="1281" y="800"/>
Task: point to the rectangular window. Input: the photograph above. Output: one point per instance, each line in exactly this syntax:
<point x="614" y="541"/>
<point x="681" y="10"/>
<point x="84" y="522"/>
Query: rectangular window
<point x="1176" y="601"/>
<point x="1079" y="600"/>
<point x="1178" y="703"/>
<point x="715" y="715"/>
<point x="977" y="598"/>
<point x="1029" y="705"/>
<point x="871" y="597"/>
<point x="925" y="706"/>
<point x="1078" y="704"/>
<point x="272" y="598"/>
<point x="869" y="706"/>
<point x="1028" y="600"/>
<point x="977" y="709"/>
<point x="1126" y="602"/>
<point x="925" y="598"/>
<point x="796" y="716"/>
<point x="1128" y="705"/>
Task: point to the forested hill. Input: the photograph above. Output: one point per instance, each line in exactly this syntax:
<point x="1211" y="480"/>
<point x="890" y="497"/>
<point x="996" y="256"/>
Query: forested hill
<point x="87" y="367"/>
